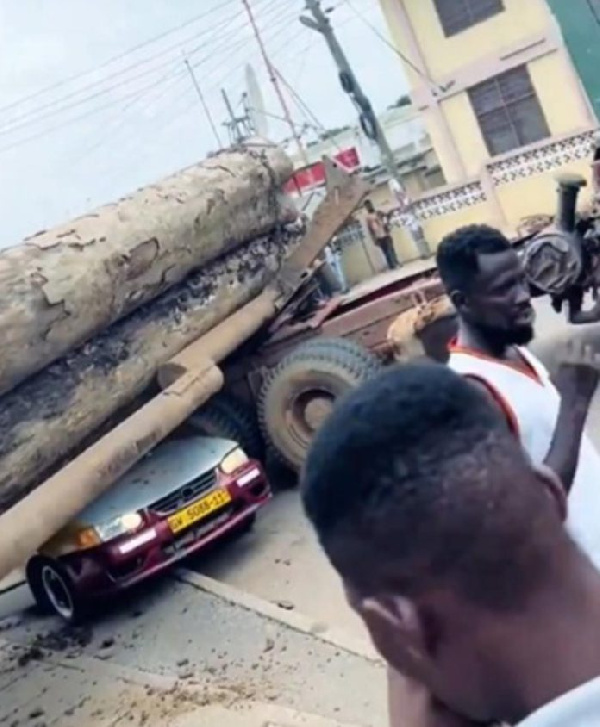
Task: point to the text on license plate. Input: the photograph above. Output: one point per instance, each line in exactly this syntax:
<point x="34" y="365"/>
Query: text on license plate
<point x="199" y="510"/>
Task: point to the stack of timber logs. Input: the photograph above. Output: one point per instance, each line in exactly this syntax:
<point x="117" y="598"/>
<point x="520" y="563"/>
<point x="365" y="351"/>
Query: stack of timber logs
<point x="93" y="308"/>
<point x="64" y="285"/>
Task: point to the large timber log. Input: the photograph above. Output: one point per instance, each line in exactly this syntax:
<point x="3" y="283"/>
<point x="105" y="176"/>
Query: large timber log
<point x="46" y="417"/>
<point x="63" y="286"/>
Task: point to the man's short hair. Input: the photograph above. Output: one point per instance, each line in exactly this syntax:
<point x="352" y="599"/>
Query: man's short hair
<point x="457" y="254"/>
<point x="415" y="480"/>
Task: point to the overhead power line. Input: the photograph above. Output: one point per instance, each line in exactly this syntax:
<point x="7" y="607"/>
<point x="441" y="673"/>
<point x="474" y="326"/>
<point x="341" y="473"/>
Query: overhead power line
<point x="374" y="29"/>
<point x="133" y="96"/>
<point x="203" y="101"/>
<point x="225" y="44"/>
<point x="115" y="58"/>
<point x="66" y="102"/>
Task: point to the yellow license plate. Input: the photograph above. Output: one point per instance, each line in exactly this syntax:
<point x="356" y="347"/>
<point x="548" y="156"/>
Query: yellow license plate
<point x="199" y="510"/>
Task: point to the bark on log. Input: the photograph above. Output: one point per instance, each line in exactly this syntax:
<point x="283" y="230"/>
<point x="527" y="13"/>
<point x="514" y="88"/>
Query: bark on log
<point x="63" y="286"/>
<point x="49" y="415"/>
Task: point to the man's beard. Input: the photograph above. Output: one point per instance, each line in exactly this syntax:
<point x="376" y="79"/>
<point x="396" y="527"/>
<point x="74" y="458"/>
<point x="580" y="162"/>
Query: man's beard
<point x="500" y="339"/>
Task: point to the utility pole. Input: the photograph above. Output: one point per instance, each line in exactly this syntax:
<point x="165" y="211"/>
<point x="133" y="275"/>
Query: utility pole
<point x="368" y="119"/>
<point x="202" y="100"/>
<point x="238" y="126"/>
<point x="275" y="81"/>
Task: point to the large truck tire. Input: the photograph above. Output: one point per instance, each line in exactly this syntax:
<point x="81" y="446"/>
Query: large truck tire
<point x="224" y="415"/>
<point x="299" y="393"/>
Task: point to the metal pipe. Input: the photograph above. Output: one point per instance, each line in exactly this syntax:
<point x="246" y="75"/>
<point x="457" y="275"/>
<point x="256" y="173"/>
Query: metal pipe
<point x="569" y="186"/>
<point x="37" y="517"/>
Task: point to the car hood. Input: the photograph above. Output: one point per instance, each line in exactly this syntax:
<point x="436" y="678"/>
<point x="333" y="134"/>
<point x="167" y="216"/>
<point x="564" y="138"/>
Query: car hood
<point x="167" y="467"/>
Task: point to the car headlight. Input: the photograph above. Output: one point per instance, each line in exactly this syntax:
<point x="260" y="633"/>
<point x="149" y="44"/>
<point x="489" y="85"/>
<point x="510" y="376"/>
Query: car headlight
<point x="123" y="525"/>
<point x="233" y="461"/>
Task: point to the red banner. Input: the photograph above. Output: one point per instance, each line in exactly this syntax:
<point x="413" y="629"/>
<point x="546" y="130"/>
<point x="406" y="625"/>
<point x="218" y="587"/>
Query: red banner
<point x="314" y="176"/>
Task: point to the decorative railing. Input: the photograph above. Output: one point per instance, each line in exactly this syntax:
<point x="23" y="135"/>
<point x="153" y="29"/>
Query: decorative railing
<point x="535" y="159"/>
<point x="542" y="158"/>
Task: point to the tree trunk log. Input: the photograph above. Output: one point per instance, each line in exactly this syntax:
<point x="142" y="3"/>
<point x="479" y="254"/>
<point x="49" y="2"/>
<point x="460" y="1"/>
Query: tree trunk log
<point x="63" y="286"/>
<point x="48" y="416"/>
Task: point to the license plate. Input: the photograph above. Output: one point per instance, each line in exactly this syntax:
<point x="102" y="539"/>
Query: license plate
<point x="199" y="510"/>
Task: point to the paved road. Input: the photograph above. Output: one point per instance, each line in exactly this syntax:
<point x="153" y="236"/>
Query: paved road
<point x="171" y="638"/>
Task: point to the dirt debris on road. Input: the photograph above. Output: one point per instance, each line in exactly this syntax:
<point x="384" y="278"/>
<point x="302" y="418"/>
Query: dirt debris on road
<point x="189" y="650"/>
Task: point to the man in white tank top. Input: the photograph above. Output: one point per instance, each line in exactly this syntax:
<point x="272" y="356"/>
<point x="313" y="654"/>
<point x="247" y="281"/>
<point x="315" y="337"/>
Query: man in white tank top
<point x="483" y="276"/>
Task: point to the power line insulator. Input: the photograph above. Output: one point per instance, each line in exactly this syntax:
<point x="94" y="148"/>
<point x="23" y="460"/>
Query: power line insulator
<point x="347" y="82"/>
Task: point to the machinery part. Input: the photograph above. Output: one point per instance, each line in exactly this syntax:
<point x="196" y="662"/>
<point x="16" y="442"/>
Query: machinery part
<point x="67" y="284"/>
<point x="299" y="393"/>
<point x="569" y="186"/>
<point x="553" y="260"/>
<point x="425" y="329"/>
<point x="226" y="416"/>
<point x="54" y="590"/>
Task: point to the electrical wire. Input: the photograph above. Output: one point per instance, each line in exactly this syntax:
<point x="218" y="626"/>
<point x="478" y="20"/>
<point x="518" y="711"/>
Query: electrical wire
<point x="233" y="52"/>
<point x="116" y="58"/>
<point x="374" y="29"/>
<point x="281" y="26"/>
<point x="121" y="119"/>
<point x="53" y="108"/>
<point x="129" y="97"/>
<point x="304" y="106"/>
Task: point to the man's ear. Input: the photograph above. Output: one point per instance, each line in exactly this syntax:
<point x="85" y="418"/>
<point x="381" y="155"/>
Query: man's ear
<point x="396" y="629"/>
<point x="555" y="489"/>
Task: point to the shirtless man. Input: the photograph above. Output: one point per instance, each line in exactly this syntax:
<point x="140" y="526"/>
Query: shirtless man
<point x="452" y="549"/>
<point x="380" y="234"/>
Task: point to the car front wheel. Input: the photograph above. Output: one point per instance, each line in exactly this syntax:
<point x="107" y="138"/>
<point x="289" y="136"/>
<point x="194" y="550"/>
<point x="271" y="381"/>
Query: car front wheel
<point x="54" y="591"/>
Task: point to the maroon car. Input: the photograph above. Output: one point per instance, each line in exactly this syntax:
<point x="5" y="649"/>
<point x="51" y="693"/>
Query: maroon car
<point x="184" y="495"/>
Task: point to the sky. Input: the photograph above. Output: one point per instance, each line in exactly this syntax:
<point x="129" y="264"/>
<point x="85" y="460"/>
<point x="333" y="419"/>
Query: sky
<point x="96" y="101"/>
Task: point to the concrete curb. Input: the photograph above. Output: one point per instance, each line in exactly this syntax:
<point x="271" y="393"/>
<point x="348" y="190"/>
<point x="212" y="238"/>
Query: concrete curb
<point x="291" y="619"/>
<point x="14" y="580"/>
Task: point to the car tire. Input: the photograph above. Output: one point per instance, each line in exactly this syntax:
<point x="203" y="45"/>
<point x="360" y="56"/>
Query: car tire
<point x="299" y="392"/>
<point x="226" y="416"/>
<point x="54" y="591"/>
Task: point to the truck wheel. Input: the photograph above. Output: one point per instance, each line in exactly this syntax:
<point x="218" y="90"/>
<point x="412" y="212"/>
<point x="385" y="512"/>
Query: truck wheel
<point x="343" y="344"/>
<point x="299" y="393"/>
<point x="226" y="416"/>
<point x="54" y="591"/>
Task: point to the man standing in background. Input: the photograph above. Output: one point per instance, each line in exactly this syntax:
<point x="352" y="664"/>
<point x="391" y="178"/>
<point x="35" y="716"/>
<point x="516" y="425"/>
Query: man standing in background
<point x="379" y="229"/>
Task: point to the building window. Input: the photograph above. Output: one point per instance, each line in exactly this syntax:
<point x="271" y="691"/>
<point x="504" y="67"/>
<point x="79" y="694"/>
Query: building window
<point x="508" y="111"/>
<point x="458" y="15"/>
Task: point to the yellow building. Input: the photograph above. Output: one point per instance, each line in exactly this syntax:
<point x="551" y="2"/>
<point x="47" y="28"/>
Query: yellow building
<point x="502" y="103"/>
